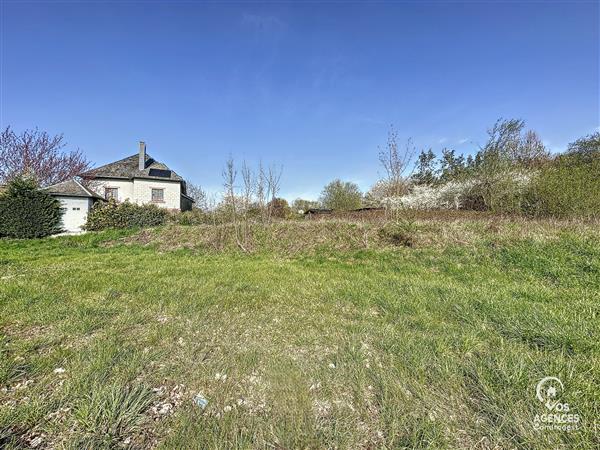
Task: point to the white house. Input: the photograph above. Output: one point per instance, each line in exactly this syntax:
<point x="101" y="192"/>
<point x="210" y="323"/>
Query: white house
<point x="138" y="178"/>
<point x="76" y="200"/>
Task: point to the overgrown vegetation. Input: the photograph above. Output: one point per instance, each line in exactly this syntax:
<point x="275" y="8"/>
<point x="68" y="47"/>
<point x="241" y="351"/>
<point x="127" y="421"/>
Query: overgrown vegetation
<point x="107" y="338"/>
<point x="26" y="211"/>
<point x="569" y="186"/>
<point x="513" y="173"/>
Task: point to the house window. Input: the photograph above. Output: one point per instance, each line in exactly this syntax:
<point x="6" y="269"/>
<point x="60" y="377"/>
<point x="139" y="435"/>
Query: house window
<point x="158" y="195"/>
<point x="111" y="193"/>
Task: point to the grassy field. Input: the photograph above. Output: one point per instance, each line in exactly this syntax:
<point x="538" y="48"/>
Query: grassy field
<point x="327" y="335"/>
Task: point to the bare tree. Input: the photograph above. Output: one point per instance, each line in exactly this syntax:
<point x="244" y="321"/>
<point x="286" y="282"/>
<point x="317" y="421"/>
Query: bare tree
<point x="532" y="151"/>
<point x="196" y="192"/>
<point x="36" y="153"/>
<point x="261" y="191"/>
<point x="509" y="153"/>
<point x="249" y="188"/>
<point x="395" y="163"/>
<point x="504" y="139"/>
<point x="273" y="185"/>
<point x="585" y="146"/>
<point x="229" y="177"/>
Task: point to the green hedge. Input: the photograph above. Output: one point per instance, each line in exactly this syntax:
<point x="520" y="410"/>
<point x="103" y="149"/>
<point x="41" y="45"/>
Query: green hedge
<point x="28" y="212"/>
<point x="124" y="215"/>
<point x="568" y="187"/>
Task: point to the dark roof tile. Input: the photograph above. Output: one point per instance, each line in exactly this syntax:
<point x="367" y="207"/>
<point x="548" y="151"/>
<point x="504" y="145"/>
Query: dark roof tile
<point x="128" y="168"/>
<point x="71" y="188"/>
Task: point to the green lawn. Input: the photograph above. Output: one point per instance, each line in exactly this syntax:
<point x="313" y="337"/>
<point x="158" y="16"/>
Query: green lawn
<point x="433" y="346"/>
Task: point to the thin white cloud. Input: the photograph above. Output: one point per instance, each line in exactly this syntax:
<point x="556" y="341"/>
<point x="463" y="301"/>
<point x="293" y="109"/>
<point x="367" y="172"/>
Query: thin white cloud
<point x="442" y="140"/>
<point x="462" y="141"/>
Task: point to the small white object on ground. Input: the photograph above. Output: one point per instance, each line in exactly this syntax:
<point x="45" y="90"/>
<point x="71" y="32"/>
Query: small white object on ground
<point x="221" y="376"/>
<point x="200" y="401"/>
<point x="59" y="370"/>
<point x="36" y="442"/>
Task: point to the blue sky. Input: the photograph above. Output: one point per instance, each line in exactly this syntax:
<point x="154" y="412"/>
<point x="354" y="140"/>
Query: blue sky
<point x="313" y="86"/>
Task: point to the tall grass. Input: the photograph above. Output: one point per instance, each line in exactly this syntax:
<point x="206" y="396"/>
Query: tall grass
<point x="107" y="338"/>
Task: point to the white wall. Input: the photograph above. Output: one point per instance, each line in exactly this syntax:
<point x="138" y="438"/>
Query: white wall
<point x="140" y="191"/>
<point x="125" y="188"/>
<point x="75" y="212"/>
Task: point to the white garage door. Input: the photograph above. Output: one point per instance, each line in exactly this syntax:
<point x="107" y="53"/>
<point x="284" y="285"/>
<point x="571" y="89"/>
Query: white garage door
<point x="75" y="212"/>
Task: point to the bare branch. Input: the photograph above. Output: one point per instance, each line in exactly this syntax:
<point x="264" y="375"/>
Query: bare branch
<point x="37" y="154"/>
<point x="395" y="163"/>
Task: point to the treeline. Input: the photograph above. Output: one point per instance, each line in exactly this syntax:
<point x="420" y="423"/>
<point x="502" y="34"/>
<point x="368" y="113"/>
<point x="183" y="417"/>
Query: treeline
<point x="512" y="173"/>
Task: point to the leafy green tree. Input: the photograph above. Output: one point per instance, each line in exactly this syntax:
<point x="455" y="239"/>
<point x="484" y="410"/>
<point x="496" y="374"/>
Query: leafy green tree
<point x="426" y="168"/>
<point x="452" y="166"/>
<point x="26" y="211"/>
<point x="341" y="195"/>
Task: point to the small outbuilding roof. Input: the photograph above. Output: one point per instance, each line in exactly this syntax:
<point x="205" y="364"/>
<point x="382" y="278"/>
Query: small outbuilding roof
<point x="128" y="168"/>
<point x="318" y="211"/>
<point x="369" y="208"/>
<point x="71" y="188"/>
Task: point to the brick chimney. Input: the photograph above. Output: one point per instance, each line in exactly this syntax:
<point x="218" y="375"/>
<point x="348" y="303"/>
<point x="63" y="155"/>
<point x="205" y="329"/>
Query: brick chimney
<point x="142" y="157"/>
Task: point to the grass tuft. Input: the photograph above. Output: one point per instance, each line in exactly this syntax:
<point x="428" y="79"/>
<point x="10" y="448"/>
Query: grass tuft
<point x="111" y="414"/>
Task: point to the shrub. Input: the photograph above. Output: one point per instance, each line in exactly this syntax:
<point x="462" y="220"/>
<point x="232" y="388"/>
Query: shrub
<point x="502" y="192"/>
<point x="194" y="217"/>
<point x="507" y="193"/>
<point x="569" y="186"/>
<point x="28" y="212"/>
<point x="280" y="208"/>
<point x="124" y="215"/>
<point x="401" y="234"/>
<point x="451" y="195"/>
